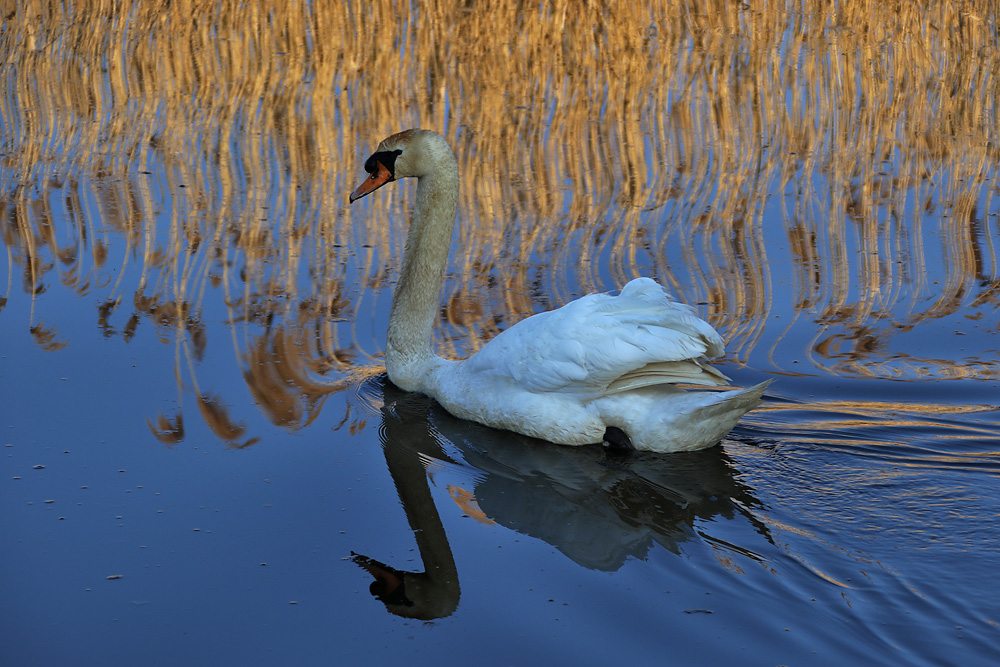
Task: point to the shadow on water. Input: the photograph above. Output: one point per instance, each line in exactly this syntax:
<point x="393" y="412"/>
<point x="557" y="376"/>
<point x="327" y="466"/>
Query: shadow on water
<point x="596" y="506"/>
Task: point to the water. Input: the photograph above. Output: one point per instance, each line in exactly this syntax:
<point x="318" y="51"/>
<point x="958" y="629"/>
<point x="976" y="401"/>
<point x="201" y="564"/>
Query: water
<point x="204" y="464"/>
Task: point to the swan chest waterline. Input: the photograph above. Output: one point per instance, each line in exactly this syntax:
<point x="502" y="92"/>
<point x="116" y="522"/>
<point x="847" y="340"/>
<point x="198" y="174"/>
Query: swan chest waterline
<point x="601" y="368"/>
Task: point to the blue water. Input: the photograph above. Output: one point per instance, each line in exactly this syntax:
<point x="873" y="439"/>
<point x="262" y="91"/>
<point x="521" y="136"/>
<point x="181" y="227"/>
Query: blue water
<point x="807" y="537"/>
<point x="203" y="463"/>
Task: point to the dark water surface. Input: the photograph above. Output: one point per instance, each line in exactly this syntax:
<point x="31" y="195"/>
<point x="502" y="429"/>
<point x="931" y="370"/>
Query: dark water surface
<point x="203" y="463"/>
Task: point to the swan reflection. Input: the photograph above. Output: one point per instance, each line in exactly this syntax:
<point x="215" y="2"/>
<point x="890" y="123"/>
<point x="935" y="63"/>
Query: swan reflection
<point x="600" y="507"/>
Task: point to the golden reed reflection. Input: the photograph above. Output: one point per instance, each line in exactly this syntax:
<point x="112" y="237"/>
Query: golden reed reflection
<point x="193" y="157"/>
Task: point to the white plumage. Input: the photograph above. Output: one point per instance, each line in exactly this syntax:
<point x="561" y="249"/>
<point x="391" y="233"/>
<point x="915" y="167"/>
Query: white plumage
<point x="604" y="361"/>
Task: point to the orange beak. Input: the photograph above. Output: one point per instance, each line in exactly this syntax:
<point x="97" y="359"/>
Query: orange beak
<point x="378" y="178"/>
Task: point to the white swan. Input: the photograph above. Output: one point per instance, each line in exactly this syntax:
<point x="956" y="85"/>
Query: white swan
<point x="601" y="368"/>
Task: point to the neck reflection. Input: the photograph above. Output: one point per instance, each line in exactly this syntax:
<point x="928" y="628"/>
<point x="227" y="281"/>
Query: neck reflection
<point x="597" y="507"/>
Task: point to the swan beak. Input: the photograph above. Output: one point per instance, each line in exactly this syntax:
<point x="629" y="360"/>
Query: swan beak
<point x="378" y="178"/>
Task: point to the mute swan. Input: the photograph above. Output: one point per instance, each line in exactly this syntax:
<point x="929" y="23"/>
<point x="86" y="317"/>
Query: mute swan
<point x="599" y="369"/>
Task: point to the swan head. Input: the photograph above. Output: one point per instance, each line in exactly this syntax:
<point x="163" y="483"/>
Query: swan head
<point x="409" y="153"/>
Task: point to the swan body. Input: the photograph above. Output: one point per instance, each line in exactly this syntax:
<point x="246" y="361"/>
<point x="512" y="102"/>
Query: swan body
<point x="602" y="367"/>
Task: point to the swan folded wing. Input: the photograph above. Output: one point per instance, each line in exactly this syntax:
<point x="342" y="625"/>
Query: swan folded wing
<point x="645" y="294"/>
<point x="668" y="372"/>
<point x="605" y="343"/>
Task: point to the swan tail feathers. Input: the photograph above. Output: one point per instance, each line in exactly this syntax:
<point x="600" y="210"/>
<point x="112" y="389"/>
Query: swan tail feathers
<point x="667" y="419"/>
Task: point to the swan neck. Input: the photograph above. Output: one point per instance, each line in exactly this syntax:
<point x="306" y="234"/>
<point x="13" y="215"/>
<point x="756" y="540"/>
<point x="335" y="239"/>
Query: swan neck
<point x="425" y="258"/>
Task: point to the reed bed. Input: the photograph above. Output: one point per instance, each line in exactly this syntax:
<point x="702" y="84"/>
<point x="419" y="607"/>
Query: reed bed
<point x="205" y="151"/>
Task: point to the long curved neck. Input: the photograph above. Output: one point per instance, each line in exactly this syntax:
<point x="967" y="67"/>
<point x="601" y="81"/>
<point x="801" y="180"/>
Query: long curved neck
<point x="415" y="300"/>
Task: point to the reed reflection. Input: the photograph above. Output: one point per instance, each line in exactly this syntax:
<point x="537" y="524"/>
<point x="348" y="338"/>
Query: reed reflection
<point x="596" y="507"/>
<point x="847" y="150"/>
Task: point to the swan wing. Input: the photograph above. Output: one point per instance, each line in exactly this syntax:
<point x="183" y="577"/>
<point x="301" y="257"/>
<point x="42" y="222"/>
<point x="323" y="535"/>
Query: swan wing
<point x="603" y="344"/>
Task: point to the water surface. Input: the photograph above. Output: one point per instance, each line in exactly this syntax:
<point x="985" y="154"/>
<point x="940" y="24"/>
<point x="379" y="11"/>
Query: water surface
<point x="204" y="463"/>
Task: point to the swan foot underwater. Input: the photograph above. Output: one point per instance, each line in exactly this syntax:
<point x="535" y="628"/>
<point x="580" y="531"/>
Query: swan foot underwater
<point x="602" y="368"/>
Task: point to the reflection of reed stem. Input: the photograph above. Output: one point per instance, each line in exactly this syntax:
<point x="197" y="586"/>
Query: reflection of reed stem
<point x="649" y="145"/>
